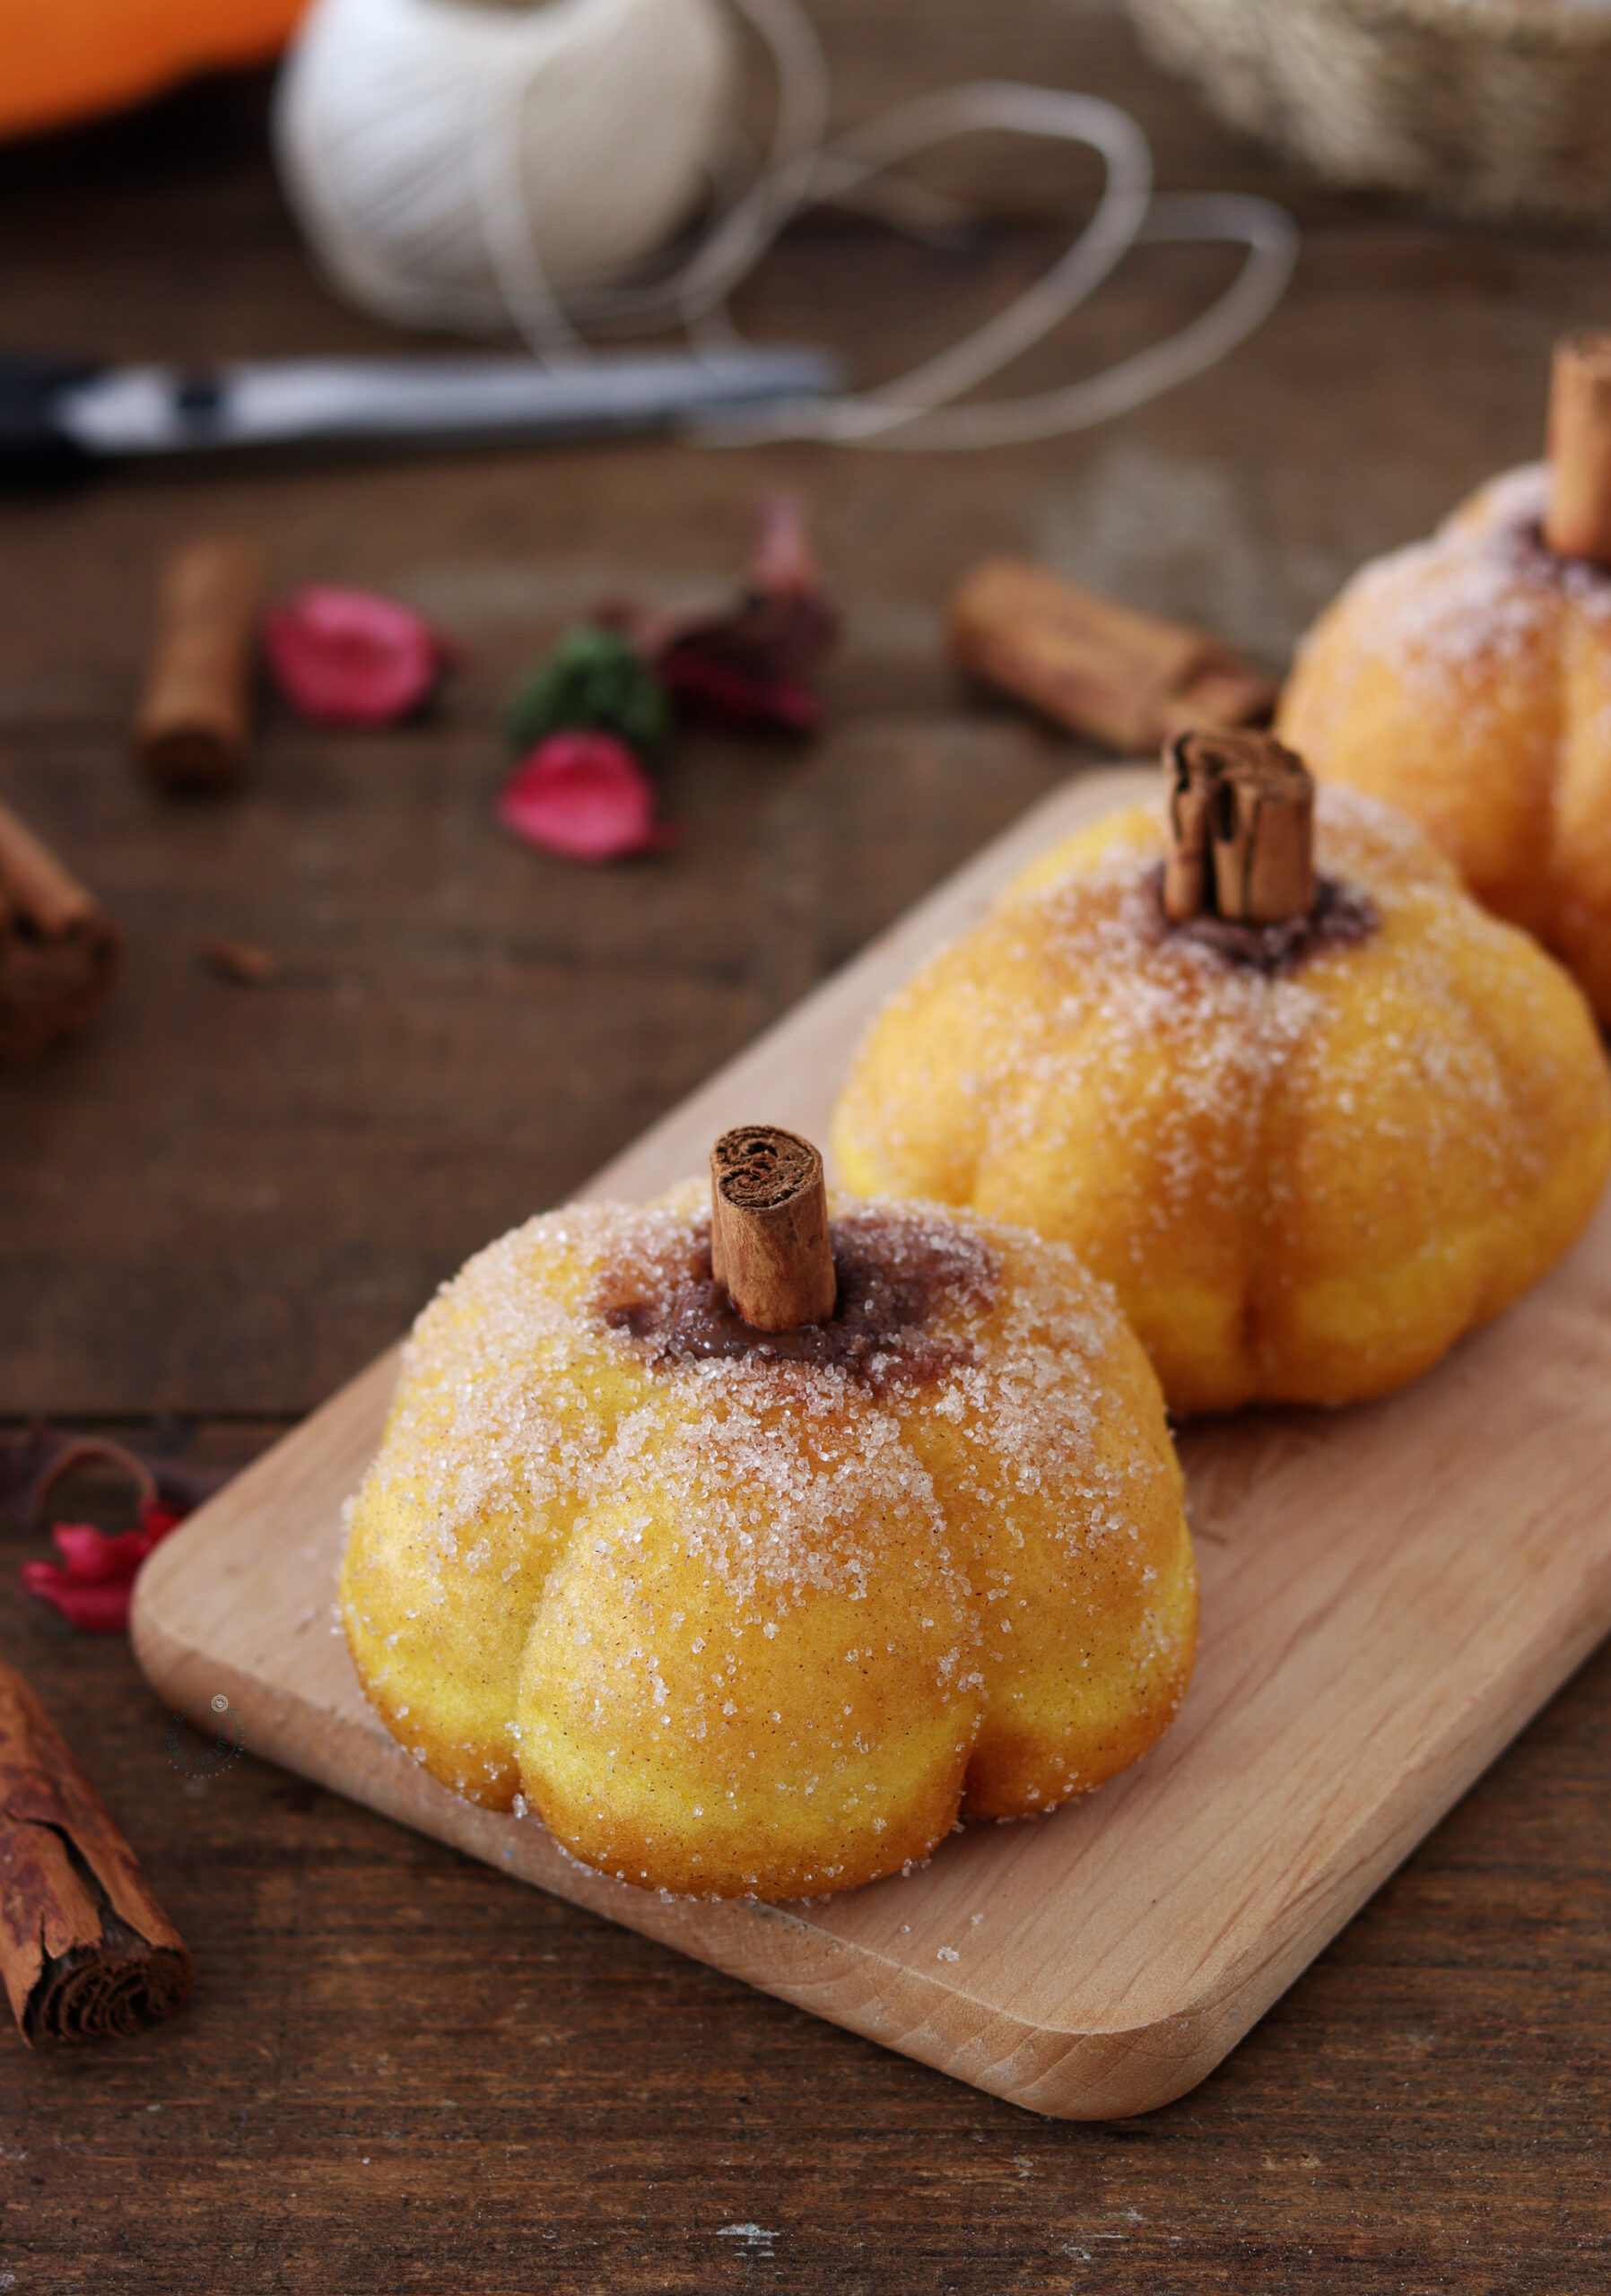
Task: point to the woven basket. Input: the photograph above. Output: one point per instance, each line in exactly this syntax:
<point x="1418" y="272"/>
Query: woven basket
<point x="1499" y="107"/>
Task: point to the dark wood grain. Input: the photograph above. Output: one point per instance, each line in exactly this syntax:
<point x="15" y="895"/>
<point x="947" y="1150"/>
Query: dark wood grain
<point x="400" y="2071"/>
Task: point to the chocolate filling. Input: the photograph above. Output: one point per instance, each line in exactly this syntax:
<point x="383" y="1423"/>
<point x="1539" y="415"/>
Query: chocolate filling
<point x="897" y="1278"/>
<point x="1342" y="917"/>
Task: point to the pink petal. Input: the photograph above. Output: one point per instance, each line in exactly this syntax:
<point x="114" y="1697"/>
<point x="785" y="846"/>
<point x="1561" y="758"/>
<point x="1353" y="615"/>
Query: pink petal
<point x="783" y="558"/>
<point x="98" y="1607"/>
<point x="349" y="658"/>
<point x="91" y="1554"/>
<point x="583" y="795"/>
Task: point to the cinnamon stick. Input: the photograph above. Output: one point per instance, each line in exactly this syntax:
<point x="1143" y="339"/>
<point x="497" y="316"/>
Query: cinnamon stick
<point x="1101" y="669"/>
<point x="1263" y="833"/>
<point x="1577" y="523"/>
<point x="1242" y="830"/>
<point x="769" y="1228"/>
<point x="59" y="950"/>
<point x="195" y="720"/>
<point x="85" y="1950"/>
<point x="1188" y="864"/>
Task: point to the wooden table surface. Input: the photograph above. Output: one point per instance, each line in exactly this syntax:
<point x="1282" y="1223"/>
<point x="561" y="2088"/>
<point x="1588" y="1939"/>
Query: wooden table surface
<point x="400" y="2071"/>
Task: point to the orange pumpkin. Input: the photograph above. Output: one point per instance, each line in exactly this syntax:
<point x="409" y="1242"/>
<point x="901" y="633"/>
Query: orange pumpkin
<point x="62" y="59"/>
<point x="1467" y="680"/>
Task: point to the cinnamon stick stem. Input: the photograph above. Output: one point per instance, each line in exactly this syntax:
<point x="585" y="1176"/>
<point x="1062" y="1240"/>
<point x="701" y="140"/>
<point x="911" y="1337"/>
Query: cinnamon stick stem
<point x="1188" y="864"/>
<point x="85" y="1950"/>
<point x="1264" y="839"/>
<point x="1101" y="669"/>
<point x="59" y="949"/>
<point x="1242" y="830"/>
<point x="1577" y="523"/>
<point x="195" y="718"/>
<point x="769" y="1228"/>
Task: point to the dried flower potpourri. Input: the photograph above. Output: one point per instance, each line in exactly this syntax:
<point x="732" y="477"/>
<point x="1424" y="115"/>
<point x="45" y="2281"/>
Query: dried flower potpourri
<point x="351" y="657"/>
<point x="595" y="680"/>
<point x="583" y="796"/>
<point x="92" y="1585"/>
<point x="751" y="667"/>
<point x="628" y="675"/>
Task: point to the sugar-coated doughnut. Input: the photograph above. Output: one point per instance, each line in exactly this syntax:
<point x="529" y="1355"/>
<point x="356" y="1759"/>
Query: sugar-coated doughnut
<point x="1467" y="681"/>
<point x="1307" y="1158"/>
<point x="748" y="1613"/>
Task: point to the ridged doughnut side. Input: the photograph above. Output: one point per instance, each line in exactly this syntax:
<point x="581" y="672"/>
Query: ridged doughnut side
<point x="506" y="1409"/>
<point x="1434" y="1145"/>
<point x="755" y="1682"/>
<point x="1055" y="1450"/>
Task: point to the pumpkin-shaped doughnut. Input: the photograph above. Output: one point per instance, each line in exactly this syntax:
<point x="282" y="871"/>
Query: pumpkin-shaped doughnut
<point x="741" y="1612"/>
<point x="1308" y="1155"/>
<point x="1467" y="681"/>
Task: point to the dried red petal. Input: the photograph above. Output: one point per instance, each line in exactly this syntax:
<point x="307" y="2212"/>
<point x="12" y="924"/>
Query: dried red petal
<point x="351" y="658"/>
<point x="91" y="1554"/>
<point x="93" y="1590"/>
<point x="751" y="667"/>
<point x="96" y="1605"/>
<point x="730" y="692"/>
<point x="583" y="795"/>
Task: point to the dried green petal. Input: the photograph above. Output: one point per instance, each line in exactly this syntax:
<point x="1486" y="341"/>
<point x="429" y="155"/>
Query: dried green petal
<point x="594" y="678"/>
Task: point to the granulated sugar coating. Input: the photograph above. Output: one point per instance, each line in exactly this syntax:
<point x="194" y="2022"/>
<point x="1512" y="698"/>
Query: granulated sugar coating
<point x="1467" y="680"/>
<point x="1304" y="1179"/>
<point x="760" y="1613"/>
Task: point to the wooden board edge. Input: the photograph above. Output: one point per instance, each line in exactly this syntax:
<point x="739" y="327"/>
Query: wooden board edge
<point x="1423" y="1797"/>
<point x="1061" y="2072"/>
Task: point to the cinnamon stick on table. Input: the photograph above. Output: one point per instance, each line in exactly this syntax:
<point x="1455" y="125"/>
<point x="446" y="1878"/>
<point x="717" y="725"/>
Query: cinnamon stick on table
<point x="195" y="720"/>
<point x="1098" y="668"/>
<point x="85" y="1950"/>
<point x="769" y="1228"/>
<point x="1577" y="521"/>
<point x="59" y="949"/>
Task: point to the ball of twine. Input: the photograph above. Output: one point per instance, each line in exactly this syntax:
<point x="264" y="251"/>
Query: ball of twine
<point x="439" y="153"/>
<point x="483" y="164"/>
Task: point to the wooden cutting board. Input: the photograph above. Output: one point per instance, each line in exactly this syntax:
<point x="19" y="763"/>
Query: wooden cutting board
<point x="1388" y="1594"/>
